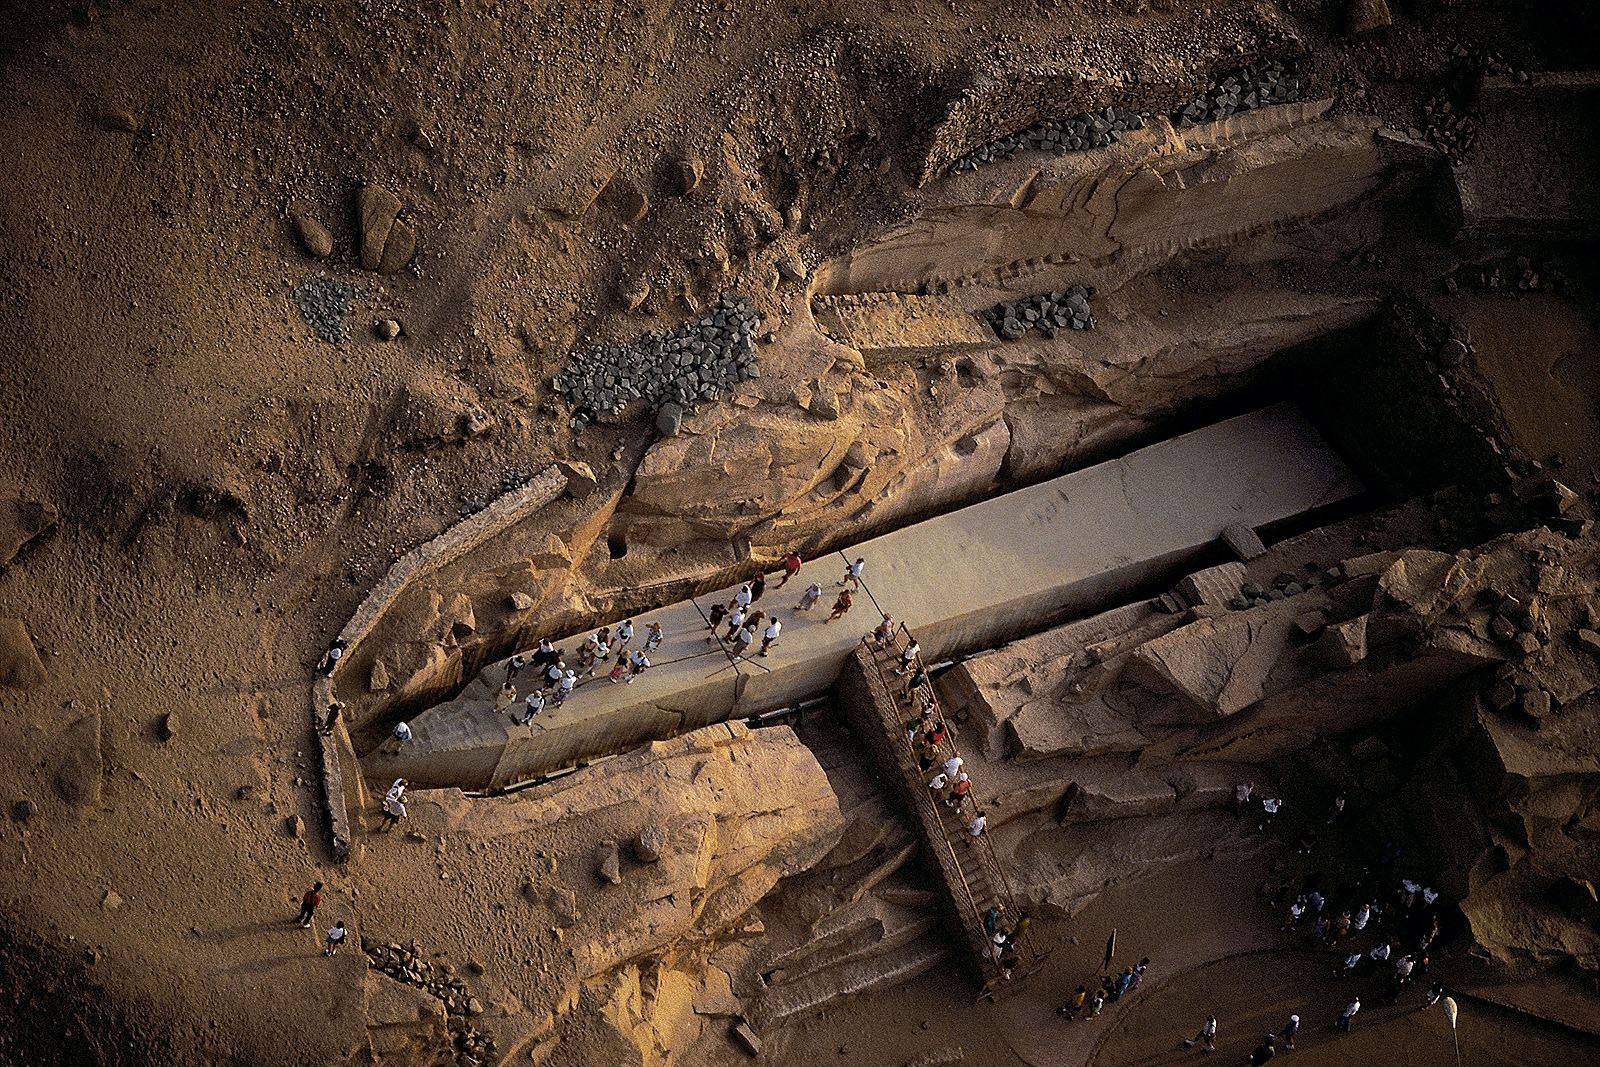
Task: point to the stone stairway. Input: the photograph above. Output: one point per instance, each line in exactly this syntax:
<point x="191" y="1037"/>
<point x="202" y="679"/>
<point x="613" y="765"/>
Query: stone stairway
<point x="971" y="877"/>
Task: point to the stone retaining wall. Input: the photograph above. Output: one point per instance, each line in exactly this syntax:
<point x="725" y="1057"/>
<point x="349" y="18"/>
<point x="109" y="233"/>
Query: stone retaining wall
<point x="342" y="792"/>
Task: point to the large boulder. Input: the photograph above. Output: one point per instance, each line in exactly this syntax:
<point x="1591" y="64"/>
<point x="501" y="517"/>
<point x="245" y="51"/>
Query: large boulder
<point x="20" y="666"/>
<point x="387" y="244"/>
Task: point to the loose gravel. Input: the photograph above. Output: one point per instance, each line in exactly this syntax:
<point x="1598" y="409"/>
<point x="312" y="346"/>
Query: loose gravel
<point x="671" y="370"/>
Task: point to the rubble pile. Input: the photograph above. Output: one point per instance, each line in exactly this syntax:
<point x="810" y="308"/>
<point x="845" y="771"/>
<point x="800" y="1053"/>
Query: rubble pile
<point x="325" y="304"/>
<point x="1046" y="312"/>
<point x="671" y="370"/>
<point x="1090" y="129"/>
<point x="405" y="963"/>
<point x="1259" y="84"/>
<point x="1284" y="584"/>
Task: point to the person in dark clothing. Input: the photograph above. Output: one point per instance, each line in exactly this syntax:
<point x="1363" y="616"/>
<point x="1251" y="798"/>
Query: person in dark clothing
<point x="309" y="905"/>
<point x="1290" y="1029"/>
<point x="714" y="619"/>
<point x="758" y="585"/>
<point x="1263" y="1052"/>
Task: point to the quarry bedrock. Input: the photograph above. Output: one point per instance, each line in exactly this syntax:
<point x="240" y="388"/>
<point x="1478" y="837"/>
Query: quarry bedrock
<point x="962" y="581"/>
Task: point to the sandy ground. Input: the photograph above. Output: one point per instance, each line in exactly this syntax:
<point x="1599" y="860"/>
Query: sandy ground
<point x="1215" y="946"/>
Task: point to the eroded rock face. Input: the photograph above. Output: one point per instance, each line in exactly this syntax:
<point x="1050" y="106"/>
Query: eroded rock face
<point x="1112" y="743"/>
<point x="611" y="969"/>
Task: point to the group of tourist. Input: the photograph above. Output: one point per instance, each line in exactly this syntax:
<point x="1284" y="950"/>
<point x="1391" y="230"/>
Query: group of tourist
<point x="1113" y="987"/>
<point x="310" y="901"/>
<point x="554" y="681"/>
<point x="1381" y="926"/>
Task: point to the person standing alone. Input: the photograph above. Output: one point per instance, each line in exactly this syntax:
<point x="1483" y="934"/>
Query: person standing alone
<point x="309" y="903"/>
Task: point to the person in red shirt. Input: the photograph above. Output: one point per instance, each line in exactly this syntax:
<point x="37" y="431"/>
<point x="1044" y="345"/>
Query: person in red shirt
<point x="791" y="567"/>
<point x="308" y="905"/>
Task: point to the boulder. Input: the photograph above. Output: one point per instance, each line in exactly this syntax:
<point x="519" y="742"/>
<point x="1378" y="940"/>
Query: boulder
<point x="167" y="726"/>
<point x="312" y="235"/>
<point x="387" y="244"/>
<point x="1368" y="16"/>
<point x="688" y="172"/>
<point x="379" y="680"/>
<point x="1242" y="541"/>
<point x="23" y="522"/>
<point x="746" y="1038"/>
<point x="78" y="769"/>
<point x="650" y="843"/>
<point x="20" y="666"/>
<point x="609" y="862"/>
<point x="580" y="478"/>
<point x="669" y="420"/>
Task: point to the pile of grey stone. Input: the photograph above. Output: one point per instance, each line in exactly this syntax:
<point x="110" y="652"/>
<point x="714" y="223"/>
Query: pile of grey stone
<point x="1285" y="584"/>
<point x="1066" y="309"/>
<point x="1091" y="129"/>
<point x="1259" y="84"/>
<point x="404" y="963"/>
<point x="671" y="370"/>
<point x="325" y="304"/>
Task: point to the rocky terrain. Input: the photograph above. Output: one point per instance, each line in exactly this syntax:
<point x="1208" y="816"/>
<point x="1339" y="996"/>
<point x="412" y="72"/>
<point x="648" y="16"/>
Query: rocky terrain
<point x="443" y="328"/>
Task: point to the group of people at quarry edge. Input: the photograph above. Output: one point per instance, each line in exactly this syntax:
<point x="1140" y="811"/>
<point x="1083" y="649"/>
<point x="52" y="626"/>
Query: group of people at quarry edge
<point x="739" y="627"/>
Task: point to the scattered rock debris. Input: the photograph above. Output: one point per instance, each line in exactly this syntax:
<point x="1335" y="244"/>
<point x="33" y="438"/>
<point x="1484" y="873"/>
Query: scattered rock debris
<point x="672" y="370"/>
<point x="1079" y="133"/>
<point x="405" y="963"/>
<point x="1045" y="312"/>
<point x="1258" y="85"/>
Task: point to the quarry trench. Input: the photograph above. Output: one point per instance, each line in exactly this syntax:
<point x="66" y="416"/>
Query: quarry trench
<point x="1303" y="373"/>
<point x="465" y="743"/>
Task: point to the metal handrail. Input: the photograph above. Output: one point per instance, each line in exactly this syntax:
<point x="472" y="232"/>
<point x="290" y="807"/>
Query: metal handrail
<point x="995" y="870"/>
<point x="966" y="886"/>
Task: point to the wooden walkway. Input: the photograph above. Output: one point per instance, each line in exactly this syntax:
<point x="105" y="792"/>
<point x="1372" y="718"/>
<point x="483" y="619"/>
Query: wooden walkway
<point x="875" y="697"/>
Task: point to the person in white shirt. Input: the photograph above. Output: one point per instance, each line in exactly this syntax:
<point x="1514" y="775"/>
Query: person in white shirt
<point x="809" y="598"/>
<point x="1269" y="811"/>
<point x="624" y="635"/>
<point x="1363" y="915"/>
<point x="952" y="766"/>
<point x="336" y="936"/>
<point x="1349" y="1015"/>
<point x="742" y="598"/>
<point x="1241" y="796"/>
<point x="638" y="663"/>
<point x="569" y="681"/>
<point x="769" y="637"/>
<point x="852" y="573"/>
<point x="979" y="823"/>
<point x="532" y="705"/>
<point x="653" y="637"/>
<point x="402" y="733"/>
<point x="908" y="656"/>
<point x="735" y="624"/>
<point x="394" y="804"/>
